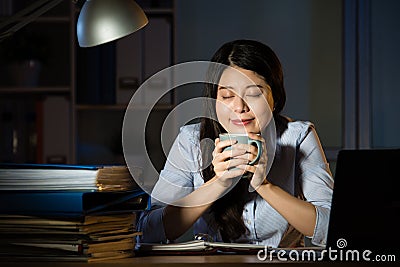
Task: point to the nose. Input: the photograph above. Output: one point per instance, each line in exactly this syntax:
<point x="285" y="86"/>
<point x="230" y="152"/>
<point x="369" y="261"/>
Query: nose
<point x="239" y="105"/>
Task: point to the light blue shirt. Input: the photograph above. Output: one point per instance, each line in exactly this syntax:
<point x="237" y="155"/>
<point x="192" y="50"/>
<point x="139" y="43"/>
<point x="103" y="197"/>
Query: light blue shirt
<point x="298" y="153"/>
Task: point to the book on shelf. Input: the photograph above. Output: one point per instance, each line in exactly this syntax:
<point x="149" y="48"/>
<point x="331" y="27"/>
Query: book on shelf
<point x="67" y="177"/>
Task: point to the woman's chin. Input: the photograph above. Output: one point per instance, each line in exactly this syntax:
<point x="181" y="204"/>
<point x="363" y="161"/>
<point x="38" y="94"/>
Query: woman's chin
<point x="242" y="130"/>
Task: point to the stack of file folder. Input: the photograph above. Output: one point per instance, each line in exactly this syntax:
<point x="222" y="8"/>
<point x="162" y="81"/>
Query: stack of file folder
<point x="68" y="212"/>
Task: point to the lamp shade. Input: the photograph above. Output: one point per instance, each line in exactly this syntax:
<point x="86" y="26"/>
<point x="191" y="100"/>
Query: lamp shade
<point x="102" y="21"/>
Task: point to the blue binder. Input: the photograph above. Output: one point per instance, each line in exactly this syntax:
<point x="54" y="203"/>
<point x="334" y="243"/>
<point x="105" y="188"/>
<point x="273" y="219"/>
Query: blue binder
<point x="72" y="203"/>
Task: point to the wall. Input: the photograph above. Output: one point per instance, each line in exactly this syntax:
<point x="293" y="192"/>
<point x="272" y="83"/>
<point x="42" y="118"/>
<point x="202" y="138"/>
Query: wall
<point x="385" y="58"/>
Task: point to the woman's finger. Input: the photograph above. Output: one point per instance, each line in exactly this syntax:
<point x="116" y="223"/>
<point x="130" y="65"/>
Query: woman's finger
<point x="233" y="163"/>
<point x="247" y="168"/>
<point x="229" y="164"/>
<point x="232" y="153"/>
<point x="248" y="148"/>
<point x="221" y="145"/>
<point x="256" y="136"/>
<point x="226" y="155"/>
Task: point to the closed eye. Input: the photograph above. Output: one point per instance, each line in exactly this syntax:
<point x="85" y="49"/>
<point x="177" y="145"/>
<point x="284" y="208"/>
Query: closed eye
<point x="254" y="95"/>
<point x="225" y="93"/>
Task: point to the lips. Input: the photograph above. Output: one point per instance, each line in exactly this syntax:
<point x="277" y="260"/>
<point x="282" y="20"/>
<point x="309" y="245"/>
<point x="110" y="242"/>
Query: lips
<point x="242" y="122"/>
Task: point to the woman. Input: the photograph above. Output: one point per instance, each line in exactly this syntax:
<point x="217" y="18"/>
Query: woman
<point x="212" y="198"/>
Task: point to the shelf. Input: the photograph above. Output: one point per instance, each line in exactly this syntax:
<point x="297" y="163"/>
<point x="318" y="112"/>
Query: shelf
<point x="40" y="19"/>
<point x="53" y="19"/>
<point x="158" y="11"/>
<point x="121" y="107"/>
<point x="34" y="90"/>
<point x="150" y="11"/>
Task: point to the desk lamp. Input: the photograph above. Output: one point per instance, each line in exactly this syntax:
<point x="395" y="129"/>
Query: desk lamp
<point x="99" y="22"/>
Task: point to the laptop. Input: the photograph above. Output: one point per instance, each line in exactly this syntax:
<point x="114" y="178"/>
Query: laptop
<point x="365" y="212"/>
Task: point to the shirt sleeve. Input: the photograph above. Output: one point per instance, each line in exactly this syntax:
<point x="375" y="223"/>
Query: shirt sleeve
<point x="316" y="182"/>
<point x="175" y="181"/>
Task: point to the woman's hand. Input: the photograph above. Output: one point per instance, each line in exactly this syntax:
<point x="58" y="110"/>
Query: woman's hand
<point x="259" y="169"/>
<point x="226" y="162"/>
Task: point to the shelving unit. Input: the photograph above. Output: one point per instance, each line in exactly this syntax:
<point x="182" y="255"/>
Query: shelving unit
<point x="75" y="108"/>
<point x="36" y="105"/>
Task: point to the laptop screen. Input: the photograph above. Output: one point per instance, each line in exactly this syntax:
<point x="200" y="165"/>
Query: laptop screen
<point x="365" y="213"/>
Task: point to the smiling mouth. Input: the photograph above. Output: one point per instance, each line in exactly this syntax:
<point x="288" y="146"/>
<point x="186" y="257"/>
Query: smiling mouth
<point x="241" y="122"/>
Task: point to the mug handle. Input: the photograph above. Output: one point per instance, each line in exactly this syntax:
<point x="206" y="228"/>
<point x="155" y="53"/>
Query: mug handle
<point x="259" y="150"/>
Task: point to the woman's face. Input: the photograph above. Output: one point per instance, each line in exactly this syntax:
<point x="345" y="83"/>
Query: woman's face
<point x="244" y="101"/>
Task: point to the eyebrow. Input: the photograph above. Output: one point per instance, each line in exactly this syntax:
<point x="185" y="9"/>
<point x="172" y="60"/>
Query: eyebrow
<point x="248" y="86"/>
<point x="255" y="85"/>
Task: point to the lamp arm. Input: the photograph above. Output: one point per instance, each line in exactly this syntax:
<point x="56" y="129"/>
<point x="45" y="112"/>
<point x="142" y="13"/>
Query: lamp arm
<point x="26" y="16"/>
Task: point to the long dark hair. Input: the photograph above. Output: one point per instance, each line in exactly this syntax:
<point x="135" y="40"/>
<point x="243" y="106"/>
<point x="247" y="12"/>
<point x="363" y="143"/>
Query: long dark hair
<point x="250" y="55"/>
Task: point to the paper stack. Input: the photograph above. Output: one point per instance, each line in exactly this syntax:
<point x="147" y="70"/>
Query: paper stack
<point x="51" y="216"/>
